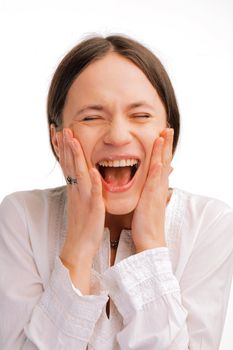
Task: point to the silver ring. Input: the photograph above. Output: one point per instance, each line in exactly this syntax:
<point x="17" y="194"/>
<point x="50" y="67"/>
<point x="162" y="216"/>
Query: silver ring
<point x="71" y="180"/>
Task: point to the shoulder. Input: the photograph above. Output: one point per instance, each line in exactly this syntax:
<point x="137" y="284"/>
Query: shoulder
<point x="31" y="219"/>
<point x="32" y="202"/>
<point x="34" y="198"/>
<point x="203" y="214"/>
<point x="200" y="204"/>
<point x="30" y="225"/>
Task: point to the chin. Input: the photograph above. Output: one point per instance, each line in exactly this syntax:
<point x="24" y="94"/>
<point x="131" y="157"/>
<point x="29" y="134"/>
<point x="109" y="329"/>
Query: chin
<point x="120" y="207"/>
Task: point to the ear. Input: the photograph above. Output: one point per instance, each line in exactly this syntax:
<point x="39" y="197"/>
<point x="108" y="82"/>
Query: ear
<point x="53" y="136"/>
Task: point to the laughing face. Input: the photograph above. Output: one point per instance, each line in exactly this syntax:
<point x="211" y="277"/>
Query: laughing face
<point x="116" y="114"/>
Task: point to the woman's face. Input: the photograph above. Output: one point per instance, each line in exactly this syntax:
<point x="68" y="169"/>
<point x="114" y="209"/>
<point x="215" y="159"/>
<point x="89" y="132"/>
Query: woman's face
<point x="116" y="114"/>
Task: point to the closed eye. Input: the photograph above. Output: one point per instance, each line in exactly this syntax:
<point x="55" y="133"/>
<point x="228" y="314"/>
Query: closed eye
<point x="141" y="116"/>
<point x="90" y="118"/>
<point x="146" y="116"/>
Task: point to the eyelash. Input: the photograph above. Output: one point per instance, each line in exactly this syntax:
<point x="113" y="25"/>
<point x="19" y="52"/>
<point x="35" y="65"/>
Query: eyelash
<point x="137" y="116"/>
<point x="143" y="116"/>
<point x="89" y="118"/>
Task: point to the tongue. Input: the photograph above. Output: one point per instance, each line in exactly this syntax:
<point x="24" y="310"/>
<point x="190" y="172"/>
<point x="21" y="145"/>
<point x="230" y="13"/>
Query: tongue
<point x="117" y="176"/>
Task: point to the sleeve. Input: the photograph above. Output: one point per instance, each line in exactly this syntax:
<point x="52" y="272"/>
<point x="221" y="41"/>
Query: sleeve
<point x="147" y="295"/>
<point x="34" y="316"/>
<point x="161" y="313"/>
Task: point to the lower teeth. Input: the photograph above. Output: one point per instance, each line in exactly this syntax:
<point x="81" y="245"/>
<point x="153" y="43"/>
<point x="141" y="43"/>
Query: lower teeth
<point x="116" y="175"/>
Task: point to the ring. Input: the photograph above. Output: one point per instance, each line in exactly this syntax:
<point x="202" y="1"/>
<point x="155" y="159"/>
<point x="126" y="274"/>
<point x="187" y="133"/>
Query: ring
<point x="71" y="180"/>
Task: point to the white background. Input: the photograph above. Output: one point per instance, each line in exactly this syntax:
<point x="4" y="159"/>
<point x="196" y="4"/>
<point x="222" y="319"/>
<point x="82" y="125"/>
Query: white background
<point x="193" y="39"/>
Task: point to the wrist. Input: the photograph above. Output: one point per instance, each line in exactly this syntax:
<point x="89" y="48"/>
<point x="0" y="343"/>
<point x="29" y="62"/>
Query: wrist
<point x="73" y="257"/>
<point x="79" y="266"/>
<point x="150" y="245"/>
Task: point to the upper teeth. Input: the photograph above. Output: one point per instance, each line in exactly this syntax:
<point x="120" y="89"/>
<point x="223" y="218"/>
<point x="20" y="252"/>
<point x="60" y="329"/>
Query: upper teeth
<point x="119" y="163"/>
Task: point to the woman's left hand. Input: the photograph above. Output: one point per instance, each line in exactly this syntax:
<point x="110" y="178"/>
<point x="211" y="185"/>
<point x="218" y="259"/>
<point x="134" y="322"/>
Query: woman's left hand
<point x="149" y="215"/>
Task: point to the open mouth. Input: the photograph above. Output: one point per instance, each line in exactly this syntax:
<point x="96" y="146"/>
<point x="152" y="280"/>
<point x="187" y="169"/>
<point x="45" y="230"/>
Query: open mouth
<point x="118" y="173"/>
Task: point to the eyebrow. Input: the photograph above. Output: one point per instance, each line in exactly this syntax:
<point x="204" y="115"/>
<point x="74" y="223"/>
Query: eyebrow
<point x="98" y="107"/>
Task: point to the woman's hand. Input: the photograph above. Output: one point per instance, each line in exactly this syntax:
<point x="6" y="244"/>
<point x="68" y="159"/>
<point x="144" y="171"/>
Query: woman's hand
<point x="149" y="216"/>
<point x="85" y="211"/>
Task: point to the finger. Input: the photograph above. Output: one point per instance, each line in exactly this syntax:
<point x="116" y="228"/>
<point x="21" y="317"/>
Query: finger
<point x="59" y="137"/>
<point x="154" y="179"/>
<point x="96" y="189"/>
<point x="156" y="156"/>
<point x="168" y="135"/>
<point x="154" y="172"/>
<point x="166" y="171"/>
<point x="80" y="165"/>
<point x="69" y="163"/>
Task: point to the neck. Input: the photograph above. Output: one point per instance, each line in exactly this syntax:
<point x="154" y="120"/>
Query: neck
<point x="116" y="223"/>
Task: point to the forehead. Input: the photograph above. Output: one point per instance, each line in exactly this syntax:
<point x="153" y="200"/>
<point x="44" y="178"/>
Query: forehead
<point x="112" y="79"/>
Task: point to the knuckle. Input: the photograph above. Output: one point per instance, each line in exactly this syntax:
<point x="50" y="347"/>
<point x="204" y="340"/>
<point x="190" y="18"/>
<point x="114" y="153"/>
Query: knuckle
<point x="95" y="191"/>
<point x="61" y="162"/>
<point x="166" y="164"/>
<point x="167" y="161"/>
<point x="66" y="161"/>
<point x="80" y="175"/>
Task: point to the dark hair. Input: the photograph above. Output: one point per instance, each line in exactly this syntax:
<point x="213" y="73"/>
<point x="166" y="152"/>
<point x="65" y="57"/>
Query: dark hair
<point x="96" y="47"/>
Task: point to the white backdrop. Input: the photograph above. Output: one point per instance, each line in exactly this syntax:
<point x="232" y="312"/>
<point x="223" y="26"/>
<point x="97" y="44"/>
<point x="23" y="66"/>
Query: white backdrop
<point x="193" y="39"/>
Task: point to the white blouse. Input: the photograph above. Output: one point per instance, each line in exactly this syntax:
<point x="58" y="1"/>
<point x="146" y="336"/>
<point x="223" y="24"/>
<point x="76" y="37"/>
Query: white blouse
<point x="172" y="297"/>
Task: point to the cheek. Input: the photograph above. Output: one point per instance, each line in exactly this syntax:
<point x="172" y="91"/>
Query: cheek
<point x="149" y="137"/>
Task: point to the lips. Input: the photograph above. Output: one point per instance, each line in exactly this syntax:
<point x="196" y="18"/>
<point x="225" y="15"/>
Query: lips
<point x="116" y="187"/>
<point x="118" y="172"/>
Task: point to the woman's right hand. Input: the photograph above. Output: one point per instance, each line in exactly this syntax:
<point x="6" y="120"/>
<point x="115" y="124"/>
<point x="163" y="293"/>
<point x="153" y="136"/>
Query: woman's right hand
<point x="85" y="210"/>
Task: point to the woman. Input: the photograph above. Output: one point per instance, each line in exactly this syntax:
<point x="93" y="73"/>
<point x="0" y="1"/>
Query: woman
<point x="116" y="259"/>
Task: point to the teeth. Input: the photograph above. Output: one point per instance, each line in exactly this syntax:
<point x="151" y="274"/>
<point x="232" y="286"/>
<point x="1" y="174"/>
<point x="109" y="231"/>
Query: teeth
<point x="118" y="163"/>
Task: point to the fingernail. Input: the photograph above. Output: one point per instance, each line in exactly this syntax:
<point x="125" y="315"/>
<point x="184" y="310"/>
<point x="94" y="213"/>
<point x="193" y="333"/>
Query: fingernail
<point x="161" y="140"/>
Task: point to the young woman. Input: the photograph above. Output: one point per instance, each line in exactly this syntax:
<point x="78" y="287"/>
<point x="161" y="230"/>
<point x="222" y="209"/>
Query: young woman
<point x="116" y="259"/>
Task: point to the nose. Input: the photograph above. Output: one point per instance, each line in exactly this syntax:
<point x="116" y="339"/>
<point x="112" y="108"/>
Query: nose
<point x="118" y="133"/>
